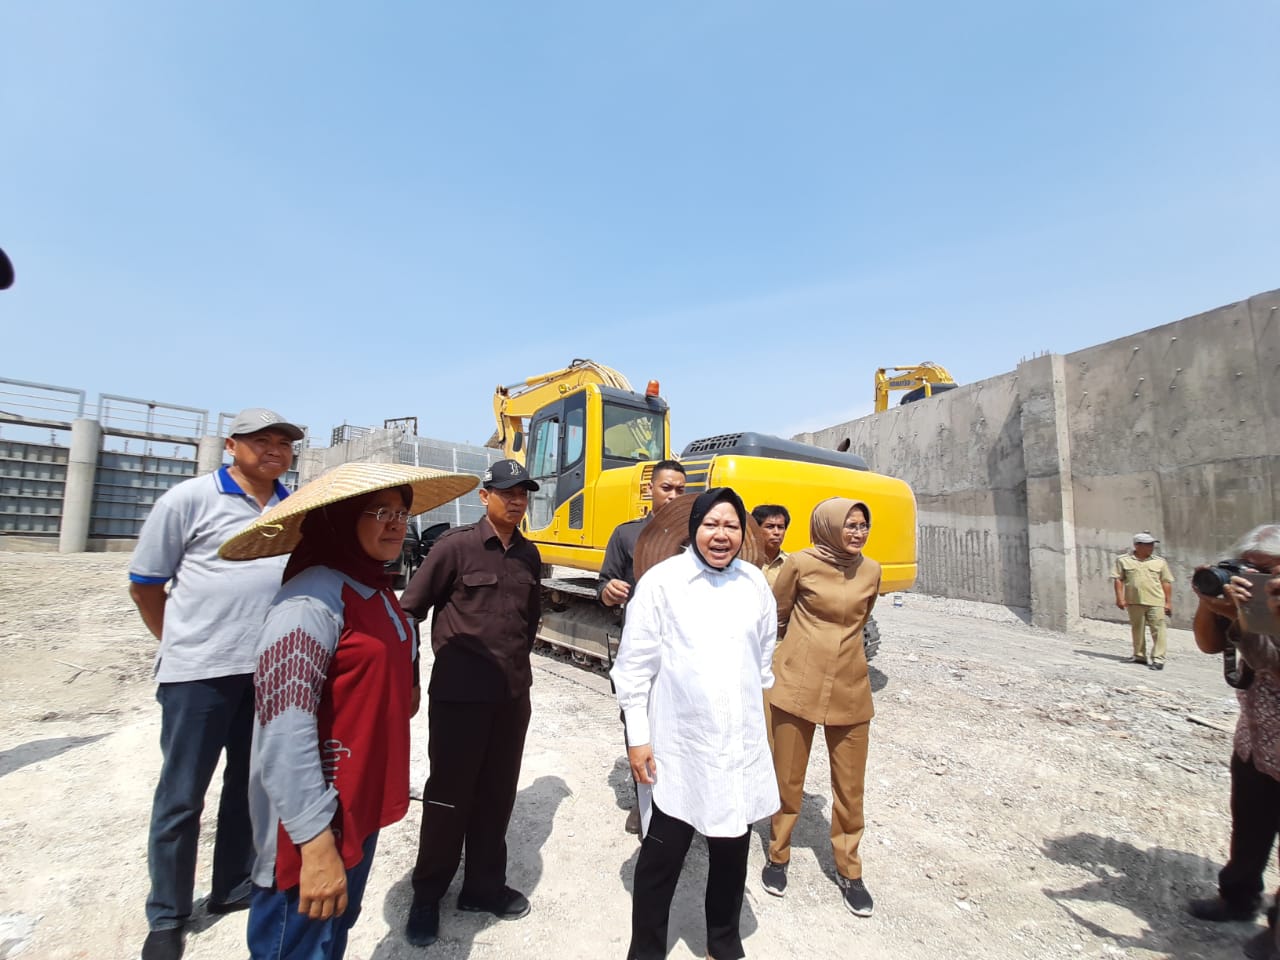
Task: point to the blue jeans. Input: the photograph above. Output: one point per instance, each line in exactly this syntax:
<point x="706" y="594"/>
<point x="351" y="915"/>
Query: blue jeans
<point x="277" y="931"/>
<point x="200" y="719"/>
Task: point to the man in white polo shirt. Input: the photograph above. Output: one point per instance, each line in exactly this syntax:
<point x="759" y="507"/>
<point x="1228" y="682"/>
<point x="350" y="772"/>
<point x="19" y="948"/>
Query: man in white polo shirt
<point x="207" y="622"/>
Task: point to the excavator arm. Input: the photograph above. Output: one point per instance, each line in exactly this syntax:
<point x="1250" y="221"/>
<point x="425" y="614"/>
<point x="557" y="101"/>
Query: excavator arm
<point x="515" y="403"/>
<point x="927" y="375"/>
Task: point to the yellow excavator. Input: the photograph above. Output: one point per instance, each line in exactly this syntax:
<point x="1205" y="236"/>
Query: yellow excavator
<point x="591" y="442"/>
<point x="921" y="380"/>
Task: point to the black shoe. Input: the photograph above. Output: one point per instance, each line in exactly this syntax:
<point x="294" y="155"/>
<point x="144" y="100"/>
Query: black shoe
<point x="1157" y="664"/>
<point x="1141" y="660"/>
<point x="1217" y="910"/>
<point x="633" y="821"/>
<point x="774" y="878"/>
<point x="163" y="944"/>
<point x="507" y="904"/>
<point x="422" y="929"/>
<point x="220" y="908"/>
<point x="856" y="897"/>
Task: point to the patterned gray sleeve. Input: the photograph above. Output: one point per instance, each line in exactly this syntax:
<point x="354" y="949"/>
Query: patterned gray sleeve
<point x="298" y="640"/>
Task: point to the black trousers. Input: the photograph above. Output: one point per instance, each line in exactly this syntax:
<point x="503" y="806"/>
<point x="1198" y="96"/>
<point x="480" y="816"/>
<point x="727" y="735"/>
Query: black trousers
<point x="658" y="871"/>
<point x="475" y="751"/>
<point x="1255" y="821"/>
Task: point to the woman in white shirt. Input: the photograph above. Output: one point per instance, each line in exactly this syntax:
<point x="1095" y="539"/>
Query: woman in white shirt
<point x="696" y="652"/>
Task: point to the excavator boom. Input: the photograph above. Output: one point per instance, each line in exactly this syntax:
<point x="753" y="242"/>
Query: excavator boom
<point x="515" y="403"/>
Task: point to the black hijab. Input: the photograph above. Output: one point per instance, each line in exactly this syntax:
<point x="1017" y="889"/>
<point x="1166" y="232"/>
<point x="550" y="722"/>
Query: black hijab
<point x="702" y="506"/>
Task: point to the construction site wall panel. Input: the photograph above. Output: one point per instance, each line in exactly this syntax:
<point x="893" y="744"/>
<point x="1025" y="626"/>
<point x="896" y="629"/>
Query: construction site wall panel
<point x="32" y="483"/>
<point x="126" y="487"/>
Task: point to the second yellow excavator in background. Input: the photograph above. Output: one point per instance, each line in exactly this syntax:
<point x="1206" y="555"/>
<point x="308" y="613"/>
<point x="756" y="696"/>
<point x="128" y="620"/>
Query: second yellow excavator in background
<point x="922" y="380"/>
<point x="591" y="442"/>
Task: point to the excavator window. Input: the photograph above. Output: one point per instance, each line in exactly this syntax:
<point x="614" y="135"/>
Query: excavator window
<point x="575" y="432"/>
<point x="544" y="466"/>
<point x="632" y="434"/>
<point x="546" y="448"/>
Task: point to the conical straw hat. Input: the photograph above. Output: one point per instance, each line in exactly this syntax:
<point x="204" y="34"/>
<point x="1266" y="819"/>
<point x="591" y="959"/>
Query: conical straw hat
<point x="668" y="533"/>
<point x="279" y="530"/>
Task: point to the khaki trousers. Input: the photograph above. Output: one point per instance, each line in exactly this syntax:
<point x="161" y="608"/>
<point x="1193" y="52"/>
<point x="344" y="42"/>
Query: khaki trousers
<point x="792" y="738"/>
<point x="1141" y="619"/>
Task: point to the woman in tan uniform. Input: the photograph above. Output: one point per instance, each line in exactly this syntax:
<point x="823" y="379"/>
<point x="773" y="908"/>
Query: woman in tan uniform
<point x="825" y="594"/>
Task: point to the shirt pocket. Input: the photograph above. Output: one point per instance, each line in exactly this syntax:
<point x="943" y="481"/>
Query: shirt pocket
<point x="479" y="592"/>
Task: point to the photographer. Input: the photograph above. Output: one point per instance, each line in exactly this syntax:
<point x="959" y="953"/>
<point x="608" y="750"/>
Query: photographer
<point x="1255" y="760"/>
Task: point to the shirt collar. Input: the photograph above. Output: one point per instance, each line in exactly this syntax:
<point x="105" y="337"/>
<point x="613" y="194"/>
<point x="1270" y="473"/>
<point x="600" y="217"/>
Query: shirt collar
<point x="227" y="484"/>
<point x="487" y="532"/>
<point x="699" y="567"/>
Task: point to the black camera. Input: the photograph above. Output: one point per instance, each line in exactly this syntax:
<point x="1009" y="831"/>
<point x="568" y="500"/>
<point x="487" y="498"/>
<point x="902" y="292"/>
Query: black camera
<point x="1209" y="581"/>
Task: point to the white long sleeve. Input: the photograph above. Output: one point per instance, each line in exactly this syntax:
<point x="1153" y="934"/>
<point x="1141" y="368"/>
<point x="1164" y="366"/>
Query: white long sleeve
<point x="695" y="656"/>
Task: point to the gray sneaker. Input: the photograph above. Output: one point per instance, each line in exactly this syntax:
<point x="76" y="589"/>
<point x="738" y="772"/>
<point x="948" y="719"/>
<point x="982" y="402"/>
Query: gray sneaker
<point x="774" y="878"/>
<point x="856" y="897"/>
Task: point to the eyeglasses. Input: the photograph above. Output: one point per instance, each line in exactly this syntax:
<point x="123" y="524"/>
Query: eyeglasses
<point x="858" y="527"/>
<point x="383" y="515"/>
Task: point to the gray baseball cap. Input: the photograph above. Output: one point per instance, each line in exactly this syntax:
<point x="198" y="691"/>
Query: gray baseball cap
<point x="254" y="419"/>
<point x="1144" y="537"/>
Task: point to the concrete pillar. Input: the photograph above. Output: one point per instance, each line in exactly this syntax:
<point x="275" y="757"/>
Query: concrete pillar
<point x="77" y="496"/>
<point x="1051" y="522"/>
<point x="209" y="454"/>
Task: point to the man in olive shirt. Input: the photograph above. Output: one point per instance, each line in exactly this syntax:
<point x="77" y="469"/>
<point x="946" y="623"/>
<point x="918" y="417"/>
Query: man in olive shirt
<point x="1144" y="587"/>
<point x="482" y="584"/>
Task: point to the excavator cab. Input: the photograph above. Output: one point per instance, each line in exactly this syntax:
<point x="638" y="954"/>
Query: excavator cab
<point x="574" y="439"/>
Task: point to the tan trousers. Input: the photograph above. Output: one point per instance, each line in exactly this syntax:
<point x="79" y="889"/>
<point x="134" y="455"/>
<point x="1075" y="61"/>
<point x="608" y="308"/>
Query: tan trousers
<point x="847" y="750"/>
<point x="1141" y="619"/>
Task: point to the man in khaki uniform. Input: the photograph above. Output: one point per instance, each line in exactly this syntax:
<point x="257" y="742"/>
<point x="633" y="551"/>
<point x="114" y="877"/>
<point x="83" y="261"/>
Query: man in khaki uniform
<point x="1144" y="587"/>
<point x="774" y="520"/>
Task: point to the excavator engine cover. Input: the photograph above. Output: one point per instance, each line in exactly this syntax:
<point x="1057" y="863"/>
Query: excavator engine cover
<point x="763" y="445"/>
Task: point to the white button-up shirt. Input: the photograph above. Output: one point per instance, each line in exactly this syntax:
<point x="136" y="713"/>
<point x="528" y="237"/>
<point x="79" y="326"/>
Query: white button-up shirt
<point x="696" y="654"/>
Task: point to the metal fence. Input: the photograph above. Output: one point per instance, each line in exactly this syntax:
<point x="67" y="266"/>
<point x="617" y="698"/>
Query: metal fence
<point x="457" y="458"/>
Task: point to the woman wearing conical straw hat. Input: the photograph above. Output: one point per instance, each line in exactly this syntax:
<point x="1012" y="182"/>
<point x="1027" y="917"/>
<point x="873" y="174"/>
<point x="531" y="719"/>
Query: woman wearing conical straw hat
<point x="335" y="689"/>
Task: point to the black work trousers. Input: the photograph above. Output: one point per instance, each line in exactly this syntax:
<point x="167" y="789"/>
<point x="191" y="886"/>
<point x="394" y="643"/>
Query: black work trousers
<point x="475" y="751"/>
<point x="1255" y="821"/>
<point x="658" y="871"/>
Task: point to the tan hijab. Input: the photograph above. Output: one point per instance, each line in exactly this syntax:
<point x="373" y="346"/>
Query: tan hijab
<point x="825" y="528"/>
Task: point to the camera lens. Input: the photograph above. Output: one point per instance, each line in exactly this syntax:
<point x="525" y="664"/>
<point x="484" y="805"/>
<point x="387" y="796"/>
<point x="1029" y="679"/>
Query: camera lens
<point x="1210" y="581"/>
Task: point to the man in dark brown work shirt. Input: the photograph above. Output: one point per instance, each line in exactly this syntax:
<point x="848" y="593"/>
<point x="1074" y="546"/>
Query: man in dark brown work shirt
<point x="482" y="584"/>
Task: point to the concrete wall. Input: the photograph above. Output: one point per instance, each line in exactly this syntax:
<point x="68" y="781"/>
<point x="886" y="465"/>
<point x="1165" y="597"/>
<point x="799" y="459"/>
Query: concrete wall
<point x="1030" y="483"/>
<point x="1178" y="432"/>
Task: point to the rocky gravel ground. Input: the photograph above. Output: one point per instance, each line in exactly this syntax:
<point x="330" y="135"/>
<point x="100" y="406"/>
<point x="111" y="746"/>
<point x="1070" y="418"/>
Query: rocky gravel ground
<point x="1029" y="795"/>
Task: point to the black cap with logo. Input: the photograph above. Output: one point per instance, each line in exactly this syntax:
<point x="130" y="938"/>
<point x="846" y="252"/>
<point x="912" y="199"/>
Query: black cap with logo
<point x="505" y="474"/>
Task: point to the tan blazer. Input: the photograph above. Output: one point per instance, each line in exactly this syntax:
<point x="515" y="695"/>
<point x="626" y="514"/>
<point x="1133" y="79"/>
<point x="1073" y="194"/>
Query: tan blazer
<point x="820" y="666"/>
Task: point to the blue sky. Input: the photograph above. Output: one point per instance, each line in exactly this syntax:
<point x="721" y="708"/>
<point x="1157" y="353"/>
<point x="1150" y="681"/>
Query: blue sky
<point x="351" y="212"/>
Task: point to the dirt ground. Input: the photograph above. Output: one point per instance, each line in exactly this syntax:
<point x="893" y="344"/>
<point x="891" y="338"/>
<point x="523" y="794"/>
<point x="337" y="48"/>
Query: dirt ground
<point x="1029" y="795"/>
